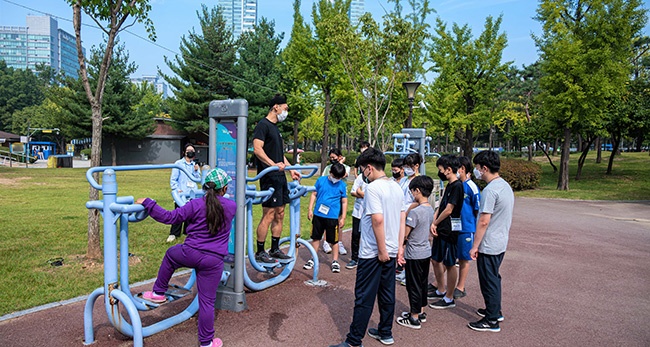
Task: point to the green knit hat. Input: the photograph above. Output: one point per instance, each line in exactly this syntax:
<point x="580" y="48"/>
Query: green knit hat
<point x="219" y="177"/>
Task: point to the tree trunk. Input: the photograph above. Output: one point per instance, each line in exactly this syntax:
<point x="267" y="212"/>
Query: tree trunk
<point x="530" y="152"/>
<point x="579" y="147"/>
<point x="490" y="138"/>
<point x="326" y="133"/>
<point x="599" y="150"/>
<point x="546" y="153"/>
<point x="555" y="147"/>
<point x="468" y="144"/>
<point x="583" y="156"/>
<point x="94" y="250"/>
<point x="113" y="152"/>
<point x="616" y="139"/>
<point x="563" y="178"/>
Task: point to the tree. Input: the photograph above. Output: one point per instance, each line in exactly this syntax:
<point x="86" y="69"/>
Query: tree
<point x="110" y="17"/>
<point x="19" y="88"/>
<point x="314" y="58"/>
<point x="586" y="51"/>
<point x="203" y="71"/>
<point x="469" y="71"/>
<point x="257" y="67"/>
<point x="375" y="59"/>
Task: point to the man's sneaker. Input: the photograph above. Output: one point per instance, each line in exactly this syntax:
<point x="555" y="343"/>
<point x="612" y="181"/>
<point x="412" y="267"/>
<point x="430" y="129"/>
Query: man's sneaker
<point x="264" y="258"/>
<point x="327" y="248"/>
<point x="336" y="267"/>
<point x="409" y="322"/>
<point x="351" y="265"/>
<point x="422" y="316"/>
<point x="342" y="250"/>
<point x="431" y="288"/>
<point x="484" y="325"/>
<point x="277" y="254"/>
<point x="400" y="276"/>
<point x="442" y="304"/>
<point x="482" y="312"/>
<point x="434" y="295"/>
<point x="459" y="293"/>
<point x="343" y="344"/>
<point x="153" y="297"/>
<point x="374" y="333"/>
<point x="171" y="238"/>
<point x="309" y="264"/>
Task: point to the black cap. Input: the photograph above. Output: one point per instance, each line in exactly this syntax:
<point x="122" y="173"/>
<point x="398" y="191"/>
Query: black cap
<point x="278" y="99"/>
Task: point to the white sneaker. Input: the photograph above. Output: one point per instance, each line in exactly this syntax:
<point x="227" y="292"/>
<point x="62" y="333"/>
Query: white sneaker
<point x="327" y="248"/>
<point x="171" y="238"/>
<point x="342" y="250"/>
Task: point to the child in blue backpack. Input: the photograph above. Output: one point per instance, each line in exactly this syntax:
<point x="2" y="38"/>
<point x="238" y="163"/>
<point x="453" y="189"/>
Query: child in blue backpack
<point x="209" y="220"/>
<point x="330" y="199"/>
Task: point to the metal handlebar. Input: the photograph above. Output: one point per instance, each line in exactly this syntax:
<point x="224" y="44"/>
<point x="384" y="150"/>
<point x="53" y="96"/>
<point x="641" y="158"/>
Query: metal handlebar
<point x="292" y="167"/>
<point x="96" y="185"/>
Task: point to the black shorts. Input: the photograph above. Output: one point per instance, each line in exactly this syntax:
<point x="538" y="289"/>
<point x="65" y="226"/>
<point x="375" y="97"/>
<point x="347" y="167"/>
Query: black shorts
<point x="444" y="252"/>
<point x="280" y="196"/>
<point x="328" y="226"/>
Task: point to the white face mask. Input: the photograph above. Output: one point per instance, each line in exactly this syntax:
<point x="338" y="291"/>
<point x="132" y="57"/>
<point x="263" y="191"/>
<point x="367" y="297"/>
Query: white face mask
<point x="282" y="116"/>
<point x="333" y="180"/>
<point x="408" y="172"/>
<point x="478" y="174"/>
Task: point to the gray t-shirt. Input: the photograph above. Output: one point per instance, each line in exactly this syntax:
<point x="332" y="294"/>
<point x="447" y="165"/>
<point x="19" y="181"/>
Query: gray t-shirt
<point x="417" y="244"/>
<point x="498" y="200"/>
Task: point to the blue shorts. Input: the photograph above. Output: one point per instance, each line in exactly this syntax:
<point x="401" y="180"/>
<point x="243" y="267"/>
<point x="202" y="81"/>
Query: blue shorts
<point x="444" y="252"/>
<point x="465" y="243"/>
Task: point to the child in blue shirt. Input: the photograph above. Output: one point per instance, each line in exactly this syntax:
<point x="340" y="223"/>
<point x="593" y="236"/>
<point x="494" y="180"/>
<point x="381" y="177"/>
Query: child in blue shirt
<point x="468" y="216"/>
<point x="330" y="199"/>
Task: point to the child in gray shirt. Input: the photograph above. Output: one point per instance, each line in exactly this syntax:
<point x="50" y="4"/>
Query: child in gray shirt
<point x="417" y="251"/>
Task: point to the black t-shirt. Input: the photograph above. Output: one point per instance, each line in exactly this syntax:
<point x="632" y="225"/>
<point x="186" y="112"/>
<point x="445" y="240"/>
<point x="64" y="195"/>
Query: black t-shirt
<point x="270" y="134"/>
<point x="453" y="195"/>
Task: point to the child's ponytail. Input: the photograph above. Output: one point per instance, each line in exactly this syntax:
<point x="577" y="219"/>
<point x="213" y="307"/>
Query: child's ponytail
<point x="214" y="209"/>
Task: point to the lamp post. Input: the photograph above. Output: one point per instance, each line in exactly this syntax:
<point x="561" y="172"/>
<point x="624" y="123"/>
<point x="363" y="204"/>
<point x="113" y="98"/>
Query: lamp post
<point x="411" y="87"/>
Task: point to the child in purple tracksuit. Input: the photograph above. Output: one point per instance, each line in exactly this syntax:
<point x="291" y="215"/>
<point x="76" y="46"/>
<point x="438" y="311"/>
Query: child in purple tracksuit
<point x="209" y="221"/>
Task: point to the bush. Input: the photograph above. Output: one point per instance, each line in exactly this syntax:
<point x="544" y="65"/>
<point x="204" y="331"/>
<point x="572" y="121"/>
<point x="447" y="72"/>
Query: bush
<point x="521" y="174"/>
<point x="310" y="157"/>
<point x="87" y="152"/>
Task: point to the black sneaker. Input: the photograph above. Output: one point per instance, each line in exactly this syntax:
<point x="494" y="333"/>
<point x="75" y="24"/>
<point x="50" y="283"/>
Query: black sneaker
<point x="442" y="304"/>
<point x="374" y="333"/>
<point x="459" y="293"/>
<point x="336" y="268"/>
<point x="422" y="316"/>
<point x="434" y="295"/>
<point x="277" y="254"/>
<point x="409" y="322"/>
<point x="431" y="288"/>
<point x="482" y="312"/>
<point x="264" y="258"/>
<point x="484" y="325"/>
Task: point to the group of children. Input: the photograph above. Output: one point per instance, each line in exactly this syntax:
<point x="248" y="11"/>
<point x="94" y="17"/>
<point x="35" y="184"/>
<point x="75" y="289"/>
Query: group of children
<point x="394" y="223"/>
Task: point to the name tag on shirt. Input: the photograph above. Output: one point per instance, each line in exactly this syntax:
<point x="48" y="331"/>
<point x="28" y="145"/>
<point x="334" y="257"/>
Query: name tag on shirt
<point x="456" y="224"/>
<point x="323" y="209"/>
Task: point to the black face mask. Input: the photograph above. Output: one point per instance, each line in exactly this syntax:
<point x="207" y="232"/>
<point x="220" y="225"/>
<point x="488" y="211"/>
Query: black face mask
<point x="397" y="175"/>
<point x="333" y="161"/>
<point x="190" y="154"/>
<point x="442" y="176"/>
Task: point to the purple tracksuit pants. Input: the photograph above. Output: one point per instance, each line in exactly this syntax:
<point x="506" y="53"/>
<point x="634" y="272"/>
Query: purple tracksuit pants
<point x="209" y="267"/>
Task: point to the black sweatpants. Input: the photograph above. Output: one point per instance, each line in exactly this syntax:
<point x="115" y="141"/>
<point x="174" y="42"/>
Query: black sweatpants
<point x="489" y="279"/>
<point x="417" y="280"/>
<point x="355" y="238"/>
<point x="176" y="229"/>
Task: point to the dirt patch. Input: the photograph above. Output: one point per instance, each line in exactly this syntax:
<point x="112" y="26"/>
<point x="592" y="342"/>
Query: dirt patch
<point x="11" y="181"/>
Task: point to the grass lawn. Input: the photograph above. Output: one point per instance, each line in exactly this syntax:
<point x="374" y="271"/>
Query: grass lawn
<point x="43" y="216"/>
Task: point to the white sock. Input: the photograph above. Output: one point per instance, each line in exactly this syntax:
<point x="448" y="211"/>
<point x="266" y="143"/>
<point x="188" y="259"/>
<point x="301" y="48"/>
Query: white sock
<point x="447" y="300"/>
<point x="210" y="345"/>
<point x="439" y="292"/>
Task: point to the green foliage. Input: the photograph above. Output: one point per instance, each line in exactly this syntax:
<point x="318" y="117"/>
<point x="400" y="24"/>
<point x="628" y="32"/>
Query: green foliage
<point x="465" y="93"/>
<point x="310" y="157"/>
<point x="258" y="67"/>
<point x="203" y="72"/>
<point x="19" y="88"/>
<point x="521" y="174"/>
<point x="86" y="152"/>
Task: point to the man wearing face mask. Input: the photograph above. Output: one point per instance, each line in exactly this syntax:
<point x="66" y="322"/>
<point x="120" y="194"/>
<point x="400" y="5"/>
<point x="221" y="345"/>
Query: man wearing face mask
<point x="398" y="172"/>
<point x="181" y="183"/>
<point x="268" y="150"/>
<point x="336" y="157"/>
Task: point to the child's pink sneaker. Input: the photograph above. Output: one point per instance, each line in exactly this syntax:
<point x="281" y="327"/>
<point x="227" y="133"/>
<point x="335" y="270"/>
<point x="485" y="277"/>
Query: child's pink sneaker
<point x="153" y="297"/>
<point x="215" y="343"/>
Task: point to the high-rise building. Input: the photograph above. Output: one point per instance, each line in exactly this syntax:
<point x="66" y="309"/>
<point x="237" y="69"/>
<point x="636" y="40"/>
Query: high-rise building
<point x="357" y="10"/>
<point x="41" y="41"/>
<point x="157" y="81"/>
<point x="240" y="15"/>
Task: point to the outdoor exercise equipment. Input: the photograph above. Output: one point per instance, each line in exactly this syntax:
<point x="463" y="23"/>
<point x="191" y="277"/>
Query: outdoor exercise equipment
<point x="412" y="140"/>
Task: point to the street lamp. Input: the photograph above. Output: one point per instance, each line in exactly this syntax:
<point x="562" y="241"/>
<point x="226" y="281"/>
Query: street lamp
<point x="411" y="87"/>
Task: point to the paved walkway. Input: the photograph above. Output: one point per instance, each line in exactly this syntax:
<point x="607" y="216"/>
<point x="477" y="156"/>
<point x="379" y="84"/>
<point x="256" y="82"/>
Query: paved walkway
<point x="576" y="274"/>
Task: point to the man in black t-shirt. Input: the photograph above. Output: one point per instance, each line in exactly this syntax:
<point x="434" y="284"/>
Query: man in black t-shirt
<point x="269" y="151"/>
<point x="445" y="228"/>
